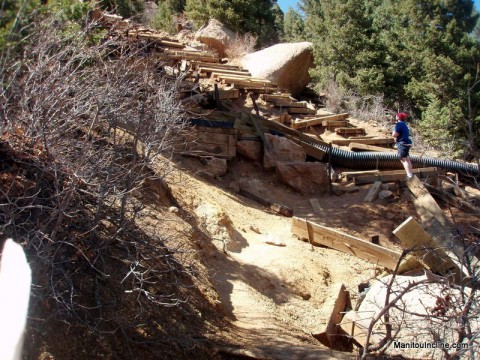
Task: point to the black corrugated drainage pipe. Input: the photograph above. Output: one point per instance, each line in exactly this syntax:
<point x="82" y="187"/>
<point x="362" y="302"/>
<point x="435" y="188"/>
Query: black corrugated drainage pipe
<point x="390" y="160"/>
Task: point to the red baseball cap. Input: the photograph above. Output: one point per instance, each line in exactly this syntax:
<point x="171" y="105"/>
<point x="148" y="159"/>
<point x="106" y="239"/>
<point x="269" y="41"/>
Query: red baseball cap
<point x="402" y="116"/>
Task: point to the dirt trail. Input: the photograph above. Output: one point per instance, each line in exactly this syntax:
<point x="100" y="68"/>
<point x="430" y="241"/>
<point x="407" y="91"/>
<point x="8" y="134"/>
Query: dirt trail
<point x="275" y="296"/>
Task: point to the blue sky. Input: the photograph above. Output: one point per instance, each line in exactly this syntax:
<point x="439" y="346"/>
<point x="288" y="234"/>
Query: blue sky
<point x="284" y="4"/>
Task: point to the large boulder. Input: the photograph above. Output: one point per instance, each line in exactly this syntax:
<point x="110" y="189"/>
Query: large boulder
<point x="304" y="177"/>
<point x="216" y="36"/>
<point x="284" y="64"/>
<point x="278" y="148"/>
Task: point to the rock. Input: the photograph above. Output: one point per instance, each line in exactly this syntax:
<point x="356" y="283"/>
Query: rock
<point x="281" y="149"/>
<point x="233" y="185"/>
<point x="173" y="209"/>
<point x="385" y="195"/>
<point x="250" y="149"/>
<point x="216" y="36"/>
<point x="216" y="167"/>
<point x="284" y="64"/>
<point x="304" y="177"/>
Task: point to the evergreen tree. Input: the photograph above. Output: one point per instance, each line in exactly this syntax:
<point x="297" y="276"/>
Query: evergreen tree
<point x="344" y="45"/>
<point x="293" y="26"/>
<point x="242" y="16"/>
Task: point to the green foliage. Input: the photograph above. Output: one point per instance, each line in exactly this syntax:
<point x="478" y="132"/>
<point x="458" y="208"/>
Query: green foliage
<point x="344" y="48"/>
<point x="163" y="19"/>
<point x="293" y="26"/>
<point x="15" y="16"/>
<point x="420" y="54"/>
<point x="243" y="16"/>
<point x="177" y="6"/>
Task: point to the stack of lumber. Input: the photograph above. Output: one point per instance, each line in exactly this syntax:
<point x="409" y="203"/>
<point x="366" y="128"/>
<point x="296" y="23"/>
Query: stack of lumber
<point x="158" y="38"/>
<point x="287" y="101"/>
<point x="373" y="141"/>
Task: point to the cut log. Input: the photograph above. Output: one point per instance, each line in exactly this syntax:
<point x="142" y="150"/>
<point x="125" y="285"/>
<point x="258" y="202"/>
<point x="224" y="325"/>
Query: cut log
<point x="396" y="175"/>
<point x="321" y="235"/>
<point x="364" y="147"/>
<point x="373" y="191"/>
<point x="375" y="141"/>
<point x="413" y="236"/>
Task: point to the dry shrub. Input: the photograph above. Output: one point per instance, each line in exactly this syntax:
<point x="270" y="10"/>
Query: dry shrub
<point x="240" y="46"/>
<point x="82" y="127"/>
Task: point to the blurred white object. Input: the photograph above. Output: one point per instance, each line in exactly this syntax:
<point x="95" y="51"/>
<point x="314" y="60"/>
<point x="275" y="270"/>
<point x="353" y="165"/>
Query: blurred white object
<point x="272" y="240"/>
<point x="15" y="281"/>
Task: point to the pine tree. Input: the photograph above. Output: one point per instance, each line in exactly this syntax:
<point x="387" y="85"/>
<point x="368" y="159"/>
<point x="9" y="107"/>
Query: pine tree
<point x="293" y="26"/>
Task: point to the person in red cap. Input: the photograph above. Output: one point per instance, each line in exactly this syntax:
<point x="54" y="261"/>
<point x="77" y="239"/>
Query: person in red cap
<point x="401" y="134"/>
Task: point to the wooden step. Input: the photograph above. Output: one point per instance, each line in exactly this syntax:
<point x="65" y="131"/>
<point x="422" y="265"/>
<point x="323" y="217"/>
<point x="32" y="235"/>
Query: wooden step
<point x="364" y="147"/>
<point x="305" y="111"/>
<point x="396" y="175"/>
<point x="199" y="64"/>
<point x="317" y="234"/>
<point x="219" y="72"/>
<point x="335" y="123"/>
<point x="350" y="131"/>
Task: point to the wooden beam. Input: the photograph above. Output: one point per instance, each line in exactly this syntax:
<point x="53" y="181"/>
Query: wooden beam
<point x="336" y="304"/>
<point x="395" y="175"/>
<point x="219" y="72"/>
<point x="335" y="123"/>
<point x="373" y="191"/>
<point x="349" y="175"/>
<point x="225" y="94"/>
<point x="429" y="253"/>
<point x="349" y="131"/>
<point x="453" y="200"/>
<point x="273" y="97"/>
<point x="289" y="103"/>
<point x="433" y="218"/>
<point x="330" y="119"/>
<point x="364" y="147"/>
<point x="278" y="208"/>
<point x="301" y="111"/>
<point x="321" y="235"/>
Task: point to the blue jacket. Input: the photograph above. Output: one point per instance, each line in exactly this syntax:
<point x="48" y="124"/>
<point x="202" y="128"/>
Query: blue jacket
<point x="403" y="133"/>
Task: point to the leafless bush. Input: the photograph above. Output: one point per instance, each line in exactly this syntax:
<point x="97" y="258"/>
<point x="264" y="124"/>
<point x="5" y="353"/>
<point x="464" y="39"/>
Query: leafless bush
<point x="81" y="126"/>
<point x="240" y="46"/>
<point x="432" y="311"/>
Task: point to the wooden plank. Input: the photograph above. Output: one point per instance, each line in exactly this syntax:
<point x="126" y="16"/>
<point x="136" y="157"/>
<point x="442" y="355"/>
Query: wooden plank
<point x="321" y="235"/>
<point x="273" y="97"/>
<point x="349" y="175"/>
<point x="220" y="72"/>
<point x="301" y="111"/>
<point x="431" y="254"/>
<point x="336" y="304"/>
<point x="278" y="208"/>
<point x="364" y="147"/>
<point x="317" y="209"/>
<point x="349" y="131"/>
<point x="375" y="141"/>
<point x="373" y="191"/>
<point x="289" y="103"/>
<point x="199" y="64"/>
<point x="433" y="218"/>
<point x="395" y="175"/>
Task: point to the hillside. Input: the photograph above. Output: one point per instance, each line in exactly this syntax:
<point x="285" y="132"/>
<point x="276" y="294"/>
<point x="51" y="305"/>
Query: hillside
<point x="155" y="235"/>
